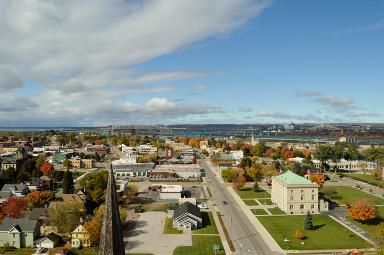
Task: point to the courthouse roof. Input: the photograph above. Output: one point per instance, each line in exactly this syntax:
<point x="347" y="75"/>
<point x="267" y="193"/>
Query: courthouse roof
<point x="292" y="178"/>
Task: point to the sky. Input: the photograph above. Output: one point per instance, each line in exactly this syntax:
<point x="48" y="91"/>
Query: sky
<point x="98" y="62"/>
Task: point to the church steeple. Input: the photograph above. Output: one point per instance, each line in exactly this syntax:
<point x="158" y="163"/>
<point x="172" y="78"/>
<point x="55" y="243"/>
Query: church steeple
<point x="111" y="239"/>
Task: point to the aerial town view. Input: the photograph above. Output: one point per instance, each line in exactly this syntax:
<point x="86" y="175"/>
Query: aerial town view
<point x="191" y="127"/>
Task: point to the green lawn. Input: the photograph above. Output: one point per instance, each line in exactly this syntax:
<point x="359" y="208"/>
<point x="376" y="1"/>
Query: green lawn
<point x="201" y="245"/>
<point x="349" y="195"/>
<point x="249" y="193"/>
<point x="367" y="178"/>
<point x="265" y="201"/>
<point x="209" y="225"/>
<point x="22" y="251"/>
<point x="259" y="212"/>
<point x="251" y="202"/>
<point x="283" y="227"/>
<point x="169" y="229"/>
<point x="373" y="226"/>
<point x="276" y="211"/>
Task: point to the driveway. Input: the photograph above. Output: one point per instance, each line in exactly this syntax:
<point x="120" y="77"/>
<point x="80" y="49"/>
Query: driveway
<point x="148" y="237"/>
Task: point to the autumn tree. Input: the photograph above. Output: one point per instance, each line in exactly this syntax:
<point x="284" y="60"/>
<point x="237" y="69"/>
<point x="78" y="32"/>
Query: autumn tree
<point x="317" y="178"/>
<point x="239" y="182"/>
<point x="269" y="171"/>
<point x="288" y="154"/>
<point x="67" y="164"/>
<point x="15" y="207"/>
<point x="94" y="225"/>
<point x="94" y="185"/>
<point x="66" y="216"/>
<point x="194" y="142"/>
<point x="229" y="174"/>
<point x="40" y="198"/>
<point x="298" y="234"/>
<point x="362" y="210"/>
<point x="46" y="168"/>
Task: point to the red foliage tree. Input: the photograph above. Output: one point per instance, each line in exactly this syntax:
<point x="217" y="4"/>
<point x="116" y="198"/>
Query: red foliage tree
<point x="98" y="142"/>
<point x="239" y="182"/>
<point x="15" y="207"/>
<point x="306" y="154"/>
<point x="268" y="152"/>
<point x="46" y="168"/>
<point x="362" y="210"/>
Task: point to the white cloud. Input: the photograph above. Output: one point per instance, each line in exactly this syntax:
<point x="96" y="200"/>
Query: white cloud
<point x="9" y="78"/>
<point x="83" y="53"/>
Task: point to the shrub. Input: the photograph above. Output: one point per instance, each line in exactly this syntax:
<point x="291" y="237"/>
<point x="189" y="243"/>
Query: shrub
<point x="298" y="234"/>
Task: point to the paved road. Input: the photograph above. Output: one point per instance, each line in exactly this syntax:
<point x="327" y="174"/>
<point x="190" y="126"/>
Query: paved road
<point x="245" y="237"/>
<point x="341" y="214"/>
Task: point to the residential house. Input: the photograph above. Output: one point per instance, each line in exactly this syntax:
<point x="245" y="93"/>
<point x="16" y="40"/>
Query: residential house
<point x="187" y="216"/>
<point x="80" y="237"/>
<point x="19" y="190"/>
<point x="295" y="194"/>
<point x="19" y="233"/>
<point x="50" y="241"/>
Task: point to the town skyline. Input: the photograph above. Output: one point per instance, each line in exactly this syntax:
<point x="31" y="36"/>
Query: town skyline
<point x="71" y="64"/>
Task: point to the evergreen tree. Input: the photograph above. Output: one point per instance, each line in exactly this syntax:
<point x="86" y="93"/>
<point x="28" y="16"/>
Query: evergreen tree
<point x="308" y="224"/>
<point x="68" y="186"/>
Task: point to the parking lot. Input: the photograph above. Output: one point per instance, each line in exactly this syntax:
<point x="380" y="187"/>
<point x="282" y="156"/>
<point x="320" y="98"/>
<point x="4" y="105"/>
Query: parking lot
<point x="148" y="237"/>
<point x="190" y="191"/>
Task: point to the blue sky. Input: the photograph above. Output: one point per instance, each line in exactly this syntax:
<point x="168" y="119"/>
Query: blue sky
<point x="229" y="61"/>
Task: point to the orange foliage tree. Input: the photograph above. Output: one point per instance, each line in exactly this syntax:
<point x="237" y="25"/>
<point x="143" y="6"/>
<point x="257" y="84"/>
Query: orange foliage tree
<point x="239" y="182"/>
<point x="46" y="168"/>
<point x="268" y="152"/>
<point x="306" y="154"/>
<point x="288" y="154"/>
<point x="40" y="198"/>
<point x="194" y="142"/>
<point x="15" y="207"/>
<point x="298" y="234"/>
<point x="362" y="210"/>
<point x="318" y="178"/>
<point x="234" y="147"/>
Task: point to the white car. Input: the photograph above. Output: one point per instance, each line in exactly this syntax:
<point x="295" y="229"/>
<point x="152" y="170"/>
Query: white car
<point x="202" y="206"/>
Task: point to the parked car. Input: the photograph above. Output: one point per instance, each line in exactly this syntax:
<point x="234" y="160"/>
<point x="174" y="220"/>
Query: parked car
<point x="202" y="206"/>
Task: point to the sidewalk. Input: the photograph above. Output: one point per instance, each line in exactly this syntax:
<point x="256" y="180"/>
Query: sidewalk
<point x="217" y="222"/>
<point x="268" y="239"/>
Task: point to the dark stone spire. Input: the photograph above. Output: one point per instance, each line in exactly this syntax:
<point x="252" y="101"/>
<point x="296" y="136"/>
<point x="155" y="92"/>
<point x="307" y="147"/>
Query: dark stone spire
<point x="111" y="239"/>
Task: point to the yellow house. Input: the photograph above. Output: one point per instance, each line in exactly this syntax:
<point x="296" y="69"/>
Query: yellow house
<point x="80" y="237"/>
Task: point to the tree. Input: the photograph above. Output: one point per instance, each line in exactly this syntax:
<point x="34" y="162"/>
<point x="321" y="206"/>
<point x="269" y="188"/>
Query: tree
<point x="255" y="187"/>
<point x="362" y="210"/>
<point x="239" y="182"/>
<point x="46" y="168"/>
<point x="40" y="198"/>
<point x="269" y="171"/>
<point x="298" y="234"/>
<point x="68" y="186"/>
<point x="229" y="174"/>
<point x="94" y="225"/>
<point x="41" y="159"/>
<point x="66" y="216"/>
<point x="258" y="173"/>
<point x="67" y="164"/>
<point x="258" y="150"/>
<point x="94" y="185"/>
<point x="329" y="192"/>
<point x="15" y="207"/>
<point x="318" y="178"/>
<point x="308" y="223"/>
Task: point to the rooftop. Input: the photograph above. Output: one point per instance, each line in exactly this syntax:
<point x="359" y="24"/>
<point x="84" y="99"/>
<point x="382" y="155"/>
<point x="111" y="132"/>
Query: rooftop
<point x="292" y="178"/>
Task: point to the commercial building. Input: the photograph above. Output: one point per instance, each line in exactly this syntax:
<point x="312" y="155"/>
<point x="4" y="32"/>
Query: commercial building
<point x="295" y="194"/>
<point x="78" y="163"/>
<point x="170" y="192"/>
<point x="186" y="172"/>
